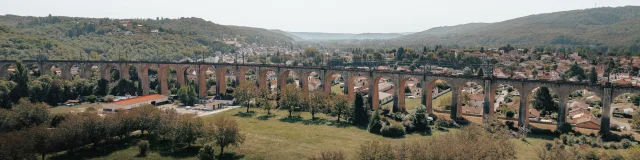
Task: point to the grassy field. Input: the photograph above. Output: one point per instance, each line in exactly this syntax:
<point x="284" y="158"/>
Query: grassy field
<point x="280" y="138"/>
<point x="336" y="89"/>
<point x="76" y="108"/>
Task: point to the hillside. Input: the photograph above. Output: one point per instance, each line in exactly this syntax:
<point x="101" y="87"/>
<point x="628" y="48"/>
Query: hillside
<point x="138" y="39"/>
<point x="600" y="26"/>
<point x="343" y="36"/>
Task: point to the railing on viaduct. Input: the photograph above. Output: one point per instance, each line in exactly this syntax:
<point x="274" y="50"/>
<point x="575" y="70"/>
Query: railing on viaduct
<point x="398" y="78"/>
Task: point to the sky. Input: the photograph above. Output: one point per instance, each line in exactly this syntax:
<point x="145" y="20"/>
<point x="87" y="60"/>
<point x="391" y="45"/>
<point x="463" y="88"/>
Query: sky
<point x="332" y="16"/>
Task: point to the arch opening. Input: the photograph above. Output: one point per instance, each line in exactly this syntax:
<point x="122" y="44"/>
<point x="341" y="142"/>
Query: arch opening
<point x="543" y="108"/>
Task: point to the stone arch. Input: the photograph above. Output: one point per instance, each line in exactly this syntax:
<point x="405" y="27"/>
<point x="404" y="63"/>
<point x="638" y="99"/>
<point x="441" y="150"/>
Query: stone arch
<point x="248" y="75"/>
<point x="402" y="98"/>
<point x="266" y="76"/>
<point x="310" y="82"/>
<point x="34" y="69"/>
<point x="284" y="75"/>
<point x="165" y="76"/>
<point x="351" y="83"/>
<point x="583" y="108"/>
<point x="393" y="98"/>
<point x="221" y="78"/>
<point x="433" y="92"/>
<point x="474" y="106"/>
<point x="620" y="107"/>
<point x="144" y="78"/>
<point x="4" y="70"/>
<point x="529" y="114"/>
<point x="107" y="69"/>
<point x="328" y="82"/>
<point x="86" y="71"/>
<point x="496" y="102"/>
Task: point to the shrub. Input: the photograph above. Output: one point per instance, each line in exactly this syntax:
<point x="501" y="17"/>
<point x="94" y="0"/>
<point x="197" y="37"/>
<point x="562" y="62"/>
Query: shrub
<point x="375" y="150"/>
<point x="510" y="114"/>
<point x="206" y="153"/>
<point x="447" y="107"/>
<point x="92" y="98"/>
<point x="407" y="123"/>
<point x="330" y="155"/>
<point x="626" y="143"/>
<point x="589" y="155"/>
<point x="109" y="98"/>
<point x="446" y="123"/>
<point x="540" y="131"/>
<point x="565" y="128"/>
<point x="614" y="127"/>
<point x="433" y="116"/>
<point x="393" y="131"/>
<point x="143" y="148"/>
<point x="374" y="124"/>
<point x="511" y="125"/>
<point x="615" y="156"/>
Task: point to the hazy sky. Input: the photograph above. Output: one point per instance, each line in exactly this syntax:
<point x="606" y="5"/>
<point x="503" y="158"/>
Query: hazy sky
<point x="342" y="16"/>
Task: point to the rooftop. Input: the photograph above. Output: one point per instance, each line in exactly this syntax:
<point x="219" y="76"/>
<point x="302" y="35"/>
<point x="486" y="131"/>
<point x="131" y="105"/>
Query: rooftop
<point x="138" y="99"/>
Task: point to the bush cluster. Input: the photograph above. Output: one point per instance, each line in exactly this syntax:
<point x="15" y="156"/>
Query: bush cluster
<point x="578" y="140"/>
<point x="392" y="131"/>
<point x="42" y="134"/>
<point x="470" y="142"/>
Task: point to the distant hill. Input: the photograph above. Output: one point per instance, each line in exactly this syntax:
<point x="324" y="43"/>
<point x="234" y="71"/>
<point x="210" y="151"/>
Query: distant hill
<point x="23" y="37"/>
<point x="343" y="36"/>
<point x="600" y="26"/>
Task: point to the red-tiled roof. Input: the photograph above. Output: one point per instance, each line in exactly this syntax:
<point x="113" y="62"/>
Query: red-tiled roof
<point x="138" y="99"/>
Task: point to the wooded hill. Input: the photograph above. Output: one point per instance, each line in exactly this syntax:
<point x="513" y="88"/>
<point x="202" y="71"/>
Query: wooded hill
<point x="600" y="26"/>
<point x="55" y="37"/>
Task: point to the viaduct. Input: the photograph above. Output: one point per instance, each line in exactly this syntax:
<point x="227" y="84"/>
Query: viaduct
<point x="399" y="78"/>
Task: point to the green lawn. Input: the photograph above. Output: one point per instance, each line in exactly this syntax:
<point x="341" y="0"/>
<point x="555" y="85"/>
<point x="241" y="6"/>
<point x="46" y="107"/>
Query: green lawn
<point x="436" y="102"/>
<point x="336" y="89"/>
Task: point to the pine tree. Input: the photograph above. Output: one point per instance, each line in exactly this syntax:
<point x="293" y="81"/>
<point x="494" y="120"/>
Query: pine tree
<point x="360" y="113"/>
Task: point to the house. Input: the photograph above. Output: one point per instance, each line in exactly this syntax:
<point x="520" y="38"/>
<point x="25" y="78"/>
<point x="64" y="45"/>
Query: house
<point x="592" y="99"/>
<point x="134" y="102"/>
<point x="590" y="122"/>
<point x="384" y="97"/>
<point x="534" y="114"/>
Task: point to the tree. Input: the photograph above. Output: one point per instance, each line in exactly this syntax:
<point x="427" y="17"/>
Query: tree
<point x="188" y="95"/>
<point x="593" y="76"/>
<point x="480" y="73"/>
<point x="467" y="71"/>
<point x="244" y="93"/>
<point x="534" y="73"/>
<point x="144" y="117"/>
<point x="400" y="54"/>
<point x="290" y="98"/>
<point x="543" y="102"/>
<point x="263" y="100"/>
<point x="5" y="93"/>
<point x="21" y="78"/>
<point x="189" y="128"/>
<point x="341" y="105"/>
<point x="315" y="101"/>
<point x="481" y="49"/>
<point x="206" y="153"/>
<point x="360" y="116"/>
<point x="576" y="70"/>
<point x="30" y="114"/>
<point x="224" y="131"/>
<point x="124" y="87"/>
<point x="102" y="89"/>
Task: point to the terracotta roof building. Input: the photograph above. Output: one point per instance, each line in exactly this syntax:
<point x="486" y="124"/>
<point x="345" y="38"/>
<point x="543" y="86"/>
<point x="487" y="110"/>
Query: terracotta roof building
<point x="134" y="102"/>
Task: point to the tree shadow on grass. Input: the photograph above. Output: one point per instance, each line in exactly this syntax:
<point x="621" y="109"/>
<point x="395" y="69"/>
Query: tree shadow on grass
<point x="316" y="121"/>
<point x="230" y="156"/>
<point x="103" y="150"/>
<point x="266" y="117"/>
<point x="292" y="119"/>
<point x="340" y="124"/>
<point x="245" y="114"/>
<point x="179" y="152"/>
